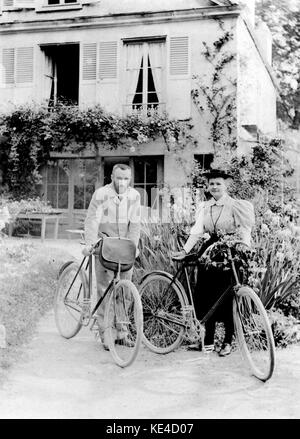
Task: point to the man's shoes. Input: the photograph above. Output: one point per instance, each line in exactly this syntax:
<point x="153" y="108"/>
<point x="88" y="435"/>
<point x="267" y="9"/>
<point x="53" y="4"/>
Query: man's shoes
<point x="125" y="341"/>
<point x="226" y="350"/>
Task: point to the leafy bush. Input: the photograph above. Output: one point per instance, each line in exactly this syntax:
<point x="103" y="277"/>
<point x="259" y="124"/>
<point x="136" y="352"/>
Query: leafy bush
<point x="274" y="265"/>
<point x="28" y="279"/>
<point x="25" y="205"/>
<point x="32" y="132"/>
<point x="275" y="268"/>
<point x="286" y="329"/>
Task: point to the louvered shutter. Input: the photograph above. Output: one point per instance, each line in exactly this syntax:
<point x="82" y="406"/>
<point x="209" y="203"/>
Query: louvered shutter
<point x="179" y="56"/>
<point x="87" y="85"/>
<point x="8" y="3"/>
<point x="8" y="66"/>
<point x="89" y="61"/>
<point x="24" y="65"/>
<point x="108" y="52"/>
<point x="179" y="86"/>
<point x="107" y="88"/>
<point x="24" y="3"/>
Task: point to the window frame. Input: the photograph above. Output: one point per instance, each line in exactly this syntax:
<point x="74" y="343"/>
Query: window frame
<point x="56" y="184"/>
<point x="127" y="108"/>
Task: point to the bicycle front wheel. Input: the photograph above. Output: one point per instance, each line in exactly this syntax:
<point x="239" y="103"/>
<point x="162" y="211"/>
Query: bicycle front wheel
<point x="123" y="322"/>
<point x="254" y="333"/>
<point x="69" y="299"/>
<point x="163" y="302"/>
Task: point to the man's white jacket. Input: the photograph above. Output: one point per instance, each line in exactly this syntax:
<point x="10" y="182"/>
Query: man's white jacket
<point x="113" y="214"/>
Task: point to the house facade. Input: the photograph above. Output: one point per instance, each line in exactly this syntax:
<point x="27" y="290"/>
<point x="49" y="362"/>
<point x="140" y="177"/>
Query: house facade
<point x="135" y="56"/>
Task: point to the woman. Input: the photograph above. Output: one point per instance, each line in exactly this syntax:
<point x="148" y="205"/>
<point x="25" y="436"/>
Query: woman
<point x="219" y="214"/>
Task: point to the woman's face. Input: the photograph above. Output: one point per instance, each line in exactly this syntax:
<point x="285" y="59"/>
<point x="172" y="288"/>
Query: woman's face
<point x="217" y="187"/>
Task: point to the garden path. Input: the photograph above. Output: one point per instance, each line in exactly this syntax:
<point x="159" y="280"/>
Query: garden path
<point x="58" y="378"/>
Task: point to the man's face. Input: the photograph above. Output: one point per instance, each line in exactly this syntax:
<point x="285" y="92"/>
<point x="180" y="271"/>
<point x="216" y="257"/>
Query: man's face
<point x="121" y="179"/>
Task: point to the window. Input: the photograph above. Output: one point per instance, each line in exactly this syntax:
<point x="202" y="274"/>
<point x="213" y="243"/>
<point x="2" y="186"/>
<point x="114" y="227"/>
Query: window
<point x="148" y="179"/>
<point x="145" y="73"/>
<point x="204" y="160"/>
<point x="17" y="66"/>
<point x="85" y="176"/>
<point x="61" y="2"/>
<point x="61" y="73"/>
<point x="56" y="186"/>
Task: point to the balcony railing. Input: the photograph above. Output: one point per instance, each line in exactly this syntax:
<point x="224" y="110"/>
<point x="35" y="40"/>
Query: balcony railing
<point x="149" y="109"/>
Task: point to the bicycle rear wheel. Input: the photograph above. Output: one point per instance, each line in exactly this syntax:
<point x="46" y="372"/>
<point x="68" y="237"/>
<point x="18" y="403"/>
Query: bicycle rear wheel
<point x="163" y="302"/>
<point x="68" y="300"/>
<point x="254" y="333"/>
<point x="123" y="322"/>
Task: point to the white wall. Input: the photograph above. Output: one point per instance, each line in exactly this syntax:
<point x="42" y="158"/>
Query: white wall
<point x="256" y="91"/>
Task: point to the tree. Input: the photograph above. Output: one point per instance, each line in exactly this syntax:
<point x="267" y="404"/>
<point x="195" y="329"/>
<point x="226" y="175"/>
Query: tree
<point x="283" y="19"/>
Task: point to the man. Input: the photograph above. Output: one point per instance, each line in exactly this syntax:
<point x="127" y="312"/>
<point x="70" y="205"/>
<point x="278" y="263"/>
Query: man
<point x="114" y="210"/>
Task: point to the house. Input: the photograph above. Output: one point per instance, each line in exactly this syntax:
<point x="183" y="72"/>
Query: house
<point x="131" y="56"/>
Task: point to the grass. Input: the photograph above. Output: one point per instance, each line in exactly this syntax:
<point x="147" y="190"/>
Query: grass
<point x="27" y="284"/>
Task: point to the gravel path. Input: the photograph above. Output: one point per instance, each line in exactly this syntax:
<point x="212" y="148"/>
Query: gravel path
<point x="58" y="378"/>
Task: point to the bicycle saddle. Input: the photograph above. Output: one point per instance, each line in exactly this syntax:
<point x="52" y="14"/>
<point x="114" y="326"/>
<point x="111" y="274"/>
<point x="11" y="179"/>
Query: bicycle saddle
<point x="190" y="257"/>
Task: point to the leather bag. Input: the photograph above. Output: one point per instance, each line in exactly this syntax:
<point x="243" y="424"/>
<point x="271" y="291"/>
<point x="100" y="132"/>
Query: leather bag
<point x="117" y="251"/>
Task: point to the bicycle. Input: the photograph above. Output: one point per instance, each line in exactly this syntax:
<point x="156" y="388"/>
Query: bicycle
<point x="170" y="318"/>
<point x="123" y="318"/>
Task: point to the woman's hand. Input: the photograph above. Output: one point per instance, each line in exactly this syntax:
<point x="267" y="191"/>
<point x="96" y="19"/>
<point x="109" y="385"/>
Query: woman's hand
<point x="242" y="246"/>
<point x="179" y="255"/>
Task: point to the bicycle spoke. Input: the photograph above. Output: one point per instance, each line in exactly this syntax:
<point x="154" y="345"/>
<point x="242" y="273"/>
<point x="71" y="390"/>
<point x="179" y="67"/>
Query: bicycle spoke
<point x="123" y="322"/>
<point x="162" y="307"/>
<point x="68" y="301"/>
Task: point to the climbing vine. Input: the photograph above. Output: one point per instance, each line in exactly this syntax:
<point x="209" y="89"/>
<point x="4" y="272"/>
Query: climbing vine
<point x="216" y="93"/>
<point x="31" y="133"/>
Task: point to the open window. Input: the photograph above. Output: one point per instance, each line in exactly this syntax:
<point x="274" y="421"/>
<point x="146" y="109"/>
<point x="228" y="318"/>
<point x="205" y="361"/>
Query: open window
<point x="60" y="2"/>
<point x="145" y="76"/>
<point x="61" y="73"/>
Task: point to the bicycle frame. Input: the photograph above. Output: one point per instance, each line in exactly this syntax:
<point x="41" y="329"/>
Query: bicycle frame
<point x="88" y="293"/>
<point x="230" y="290"/>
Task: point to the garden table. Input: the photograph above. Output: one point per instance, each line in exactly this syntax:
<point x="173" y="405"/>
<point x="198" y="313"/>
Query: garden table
<point x="39" y="216"/>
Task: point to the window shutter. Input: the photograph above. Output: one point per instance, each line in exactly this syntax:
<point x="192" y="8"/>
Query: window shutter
<point x="89" y="65"/>
<point x="179" y="56"/>
<point x="24" y="3"/>
<point x="179" y="85"/>
<point x="8" y="3"/>
<point x="24" y="65"/>
<point x="8" y="63"/>
<point x="108" y="57"/>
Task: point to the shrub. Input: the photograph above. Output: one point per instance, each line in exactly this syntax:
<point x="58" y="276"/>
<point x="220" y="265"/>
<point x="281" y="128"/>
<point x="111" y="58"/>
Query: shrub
<point x="286" y="329"/>
<point x="28" y="279"/>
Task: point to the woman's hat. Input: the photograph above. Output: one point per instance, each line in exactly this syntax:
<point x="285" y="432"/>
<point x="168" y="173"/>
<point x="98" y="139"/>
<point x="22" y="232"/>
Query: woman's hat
<point x="216" y="173"/>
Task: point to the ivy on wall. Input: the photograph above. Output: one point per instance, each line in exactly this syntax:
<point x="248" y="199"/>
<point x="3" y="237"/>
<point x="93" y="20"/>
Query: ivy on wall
<point x="216" y="92"/>
<point x="31" y="133"/>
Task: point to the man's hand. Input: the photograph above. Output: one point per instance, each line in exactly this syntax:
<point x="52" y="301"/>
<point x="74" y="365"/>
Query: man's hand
<point x="179" y="255"/>
<point x="87" y="250"/>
